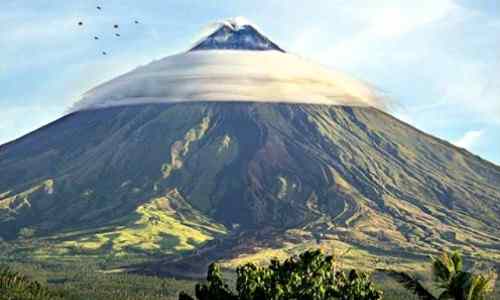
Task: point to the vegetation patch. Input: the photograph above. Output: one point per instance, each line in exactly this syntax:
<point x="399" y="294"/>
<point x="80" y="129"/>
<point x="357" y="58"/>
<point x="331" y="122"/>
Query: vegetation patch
<point x="181" y="147"/>
<point x="154" y="228"/>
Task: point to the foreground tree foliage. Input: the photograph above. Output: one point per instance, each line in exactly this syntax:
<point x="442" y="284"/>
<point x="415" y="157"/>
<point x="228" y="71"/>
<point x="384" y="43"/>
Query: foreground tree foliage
<point x="14" y="286"/>
<point x="310" y="276"/>
<point x="450" y="279"/>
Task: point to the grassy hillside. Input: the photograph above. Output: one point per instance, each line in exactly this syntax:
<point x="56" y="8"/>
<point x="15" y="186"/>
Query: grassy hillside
<point x="234" y="181"/>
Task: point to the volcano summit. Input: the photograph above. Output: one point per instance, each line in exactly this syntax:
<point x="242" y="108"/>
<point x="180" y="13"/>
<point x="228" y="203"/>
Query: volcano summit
<point x="237" y="148"/>
<point x="234" y="62"/>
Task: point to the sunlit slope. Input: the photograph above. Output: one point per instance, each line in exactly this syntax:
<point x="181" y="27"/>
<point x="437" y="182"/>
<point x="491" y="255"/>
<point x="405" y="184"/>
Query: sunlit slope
<point x="103" y="180"/>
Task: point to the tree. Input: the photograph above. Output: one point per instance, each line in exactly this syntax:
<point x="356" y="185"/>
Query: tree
<point x="216" y="288"/>
<point x="14" y="285"/>
<point x="309" y="276"/>
<point x="26" y="233"/>
<point x="184" y="296"/>
<point x="451" y="279"/>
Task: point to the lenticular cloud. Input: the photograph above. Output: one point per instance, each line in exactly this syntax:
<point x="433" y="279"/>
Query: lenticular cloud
<point x="230" y="73"/>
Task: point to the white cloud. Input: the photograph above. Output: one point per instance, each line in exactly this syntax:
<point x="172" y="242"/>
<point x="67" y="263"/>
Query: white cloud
<point x="265" y="76"/>
<point x="475" y="87"/>
<point x="385" y="21"/>
<point x="396" y="18"/>
<point x="469" y="139"/>
<point x="439" y="51"/>
<point x="34" y="31"/>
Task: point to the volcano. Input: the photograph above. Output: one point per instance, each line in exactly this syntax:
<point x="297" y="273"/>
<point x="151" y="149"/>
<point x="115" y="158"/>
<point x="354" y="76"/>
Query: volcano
<point x="239" y="146"/>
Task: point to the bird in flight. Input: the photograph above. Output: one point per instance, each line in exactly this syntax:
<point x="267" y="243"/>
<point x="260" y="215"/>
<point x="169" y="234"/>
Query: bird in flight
<point x="115" y="26"/>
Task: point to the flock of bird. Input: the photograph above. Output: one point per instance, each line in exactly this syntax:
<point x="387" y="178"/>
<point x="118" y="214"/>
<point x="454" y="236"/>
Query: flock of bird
<point x="115" y="27"/>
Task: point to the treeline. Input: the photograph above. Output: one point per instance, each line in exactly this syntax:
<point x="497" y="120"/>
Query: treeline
<point x="85" y="280"/>
<point x="15" y="286"/>
<point x="313" y="276"/>
<point x="310" y="276"/>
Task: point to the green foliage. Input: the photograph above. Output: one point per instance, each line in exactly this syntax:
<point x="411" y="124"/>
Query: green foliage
<point x="459" y="284"/>
<point x="451" y="280"/>
<point x="99" y="278"/>
<point x="14" y="286"/>
<point x="26" y="233"/>
<point x="309" y="276"/>
<point x="411" y="283"/>
<point x="216" y="288"/>
<point x="95" y="279"/>
<point x="184" y="296"/>
<point x="210" y="161"/>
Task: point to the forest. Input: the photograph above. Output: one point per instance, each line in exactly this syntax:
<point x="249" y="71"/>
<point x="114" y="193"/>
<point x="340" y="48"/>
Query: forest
<point x="311" y="275"/>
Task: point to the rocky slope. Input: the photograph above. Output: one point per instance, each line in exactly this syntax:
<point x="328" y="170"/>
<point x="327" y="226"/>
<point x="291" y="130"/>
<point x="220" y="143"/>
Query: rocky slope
<point x="168" y="178"/>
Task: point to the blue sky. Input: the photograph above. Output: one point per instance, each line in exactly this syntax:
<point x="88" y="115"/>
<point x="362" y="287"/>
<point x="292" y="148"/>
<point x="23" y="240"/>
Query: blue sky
<point x="437" y="60"/>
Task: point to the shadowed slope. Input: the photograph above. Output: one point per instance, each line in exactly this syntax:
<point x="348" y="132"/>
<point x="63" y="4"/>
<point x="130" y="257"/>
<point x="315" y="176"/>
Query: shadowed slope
<point x="354" y="174"/>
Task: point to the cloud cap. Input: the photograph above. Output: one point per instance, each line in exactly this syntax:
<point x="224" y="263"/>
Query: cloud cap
<point x="232" y="75"/>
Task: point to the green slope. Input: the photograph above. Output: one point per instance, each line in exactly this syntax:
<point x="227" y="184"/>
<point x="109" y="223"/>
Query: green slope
<point x="102" y="182"/>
